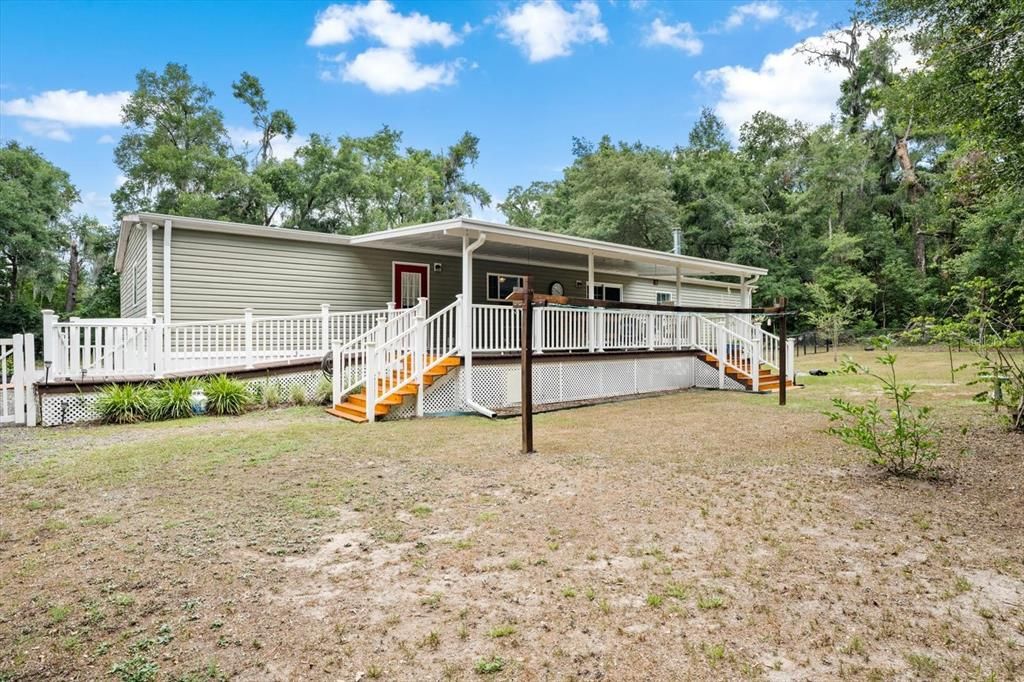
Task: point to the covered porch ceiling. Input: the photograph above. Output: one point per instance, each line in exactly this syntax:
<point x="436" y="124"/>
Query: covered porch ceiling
<point x="527" y="246"/>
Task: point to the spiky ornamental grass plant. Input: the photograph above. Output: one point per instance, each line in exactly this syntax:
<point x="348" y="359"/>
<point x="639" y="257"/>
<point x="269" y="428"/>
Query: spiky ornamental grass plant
<point x="226" y="396"/>
<point x="901" y="440"/>
<point x="125" y="403"/>
<point x="173" y="399"/>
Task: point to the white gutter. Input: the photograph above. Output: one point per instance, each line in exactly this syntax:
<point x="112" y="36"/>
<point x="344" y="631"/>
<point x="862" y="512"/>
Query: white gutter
<point x="467" y="325"/>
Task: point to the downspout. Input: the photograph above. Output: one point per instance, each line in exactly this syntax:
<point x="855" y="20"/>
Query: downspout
<point x="467" y="321"/>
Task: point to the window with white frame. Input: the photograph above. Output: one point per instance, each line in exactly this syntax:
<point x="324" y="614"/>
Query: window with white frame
<point x="664" y="298"/>
<point x="500" y="286"/>
<point x="607" y="292"/>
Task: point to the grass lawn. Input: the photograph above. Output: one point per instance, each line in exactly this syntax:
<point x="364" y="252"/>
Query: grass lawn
<point x="696" y="535"/>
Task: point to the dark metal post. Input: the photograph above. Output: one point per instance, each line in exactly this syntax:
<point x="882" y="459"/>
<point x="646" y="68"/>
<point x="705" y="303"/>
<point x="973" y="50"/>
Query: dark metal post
<point x="526" y="365"/>
<point x="783" y="352"/>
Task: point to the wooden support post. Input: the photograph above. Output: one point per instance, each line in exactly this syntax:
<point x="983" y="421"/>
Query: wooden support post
<point x="526" y="365"/>
<point x="783" y="352"/>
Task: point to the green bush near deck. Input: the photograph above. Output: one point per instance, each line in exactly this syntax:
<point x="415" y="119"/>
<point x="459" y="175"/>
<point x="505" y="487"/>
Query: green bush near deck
<point x="173" y="399"/>
<point x="125" y="403"/>
<point x="226" y="396"/>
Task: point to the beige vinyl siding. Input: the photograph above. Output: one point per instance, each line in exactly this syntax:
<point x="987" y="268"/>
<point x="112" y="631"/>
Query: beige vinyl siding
<point x="216" y="276"/>
<point x="133" y="275"/>
<point x="646" y="291"/>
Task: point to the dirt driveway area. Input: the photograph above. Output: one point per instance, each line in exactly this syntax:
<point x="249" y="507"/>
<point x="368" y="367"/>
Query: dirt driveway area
<point x="700" y="535"/>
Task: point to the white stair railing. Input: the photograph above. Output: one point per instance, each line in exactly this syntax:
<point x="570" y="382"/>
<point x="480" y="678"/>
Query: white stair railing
<point x="769" y="343"/>
<point x="353" y="361"/>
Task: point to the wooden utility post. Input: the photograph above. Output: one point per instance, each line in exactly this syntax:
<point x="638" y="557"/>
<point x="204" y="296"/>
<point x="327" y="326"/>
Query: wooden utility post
<point x="526" y="364"/>
<point x="783" y="351"/>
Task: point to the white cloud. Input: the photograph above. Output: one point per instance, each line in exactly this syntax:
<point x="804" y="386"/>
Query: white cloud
<point x="801" y="21"/>
<point x="393" y="67"/>
<point x="757" y="11"/>
<point x="49" y="114"/>
<point x="105" y="139"/>
<point x="386" y="71"/>
<point x="680" y="36"/>
<point x="249" y="138"/>
<point x="543" y="29"/>
<point x="764" y="11"/>
<point x="785" y="84"/>
<point x="378" y="19"/>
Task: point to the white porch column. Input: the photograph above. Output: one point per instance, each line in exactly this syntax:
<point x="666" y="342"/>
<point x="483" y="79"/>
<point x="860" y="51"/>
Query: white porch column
<point x="167" y="271"/>
<point x="149" y="273"/>
<point x="591" y="327"/>
<point x="466" y="346"/>
<point x="679" y="301"/>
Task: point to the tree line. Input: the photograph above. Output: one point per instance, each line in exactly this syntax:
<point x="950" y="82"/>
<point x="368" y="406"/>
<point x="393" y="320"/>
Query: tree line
<point x="870" y="221"/>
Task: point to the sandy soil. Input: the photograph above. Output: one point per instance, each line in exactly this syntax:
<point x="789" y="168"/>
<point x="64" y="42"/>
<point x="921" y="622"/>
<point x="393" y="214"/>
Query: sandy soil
<point x="701" y="535"/>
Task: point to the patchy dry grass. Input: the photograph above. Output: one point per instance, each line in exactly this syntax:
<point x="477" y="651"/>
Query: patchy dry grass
<point x="697" y="535"/>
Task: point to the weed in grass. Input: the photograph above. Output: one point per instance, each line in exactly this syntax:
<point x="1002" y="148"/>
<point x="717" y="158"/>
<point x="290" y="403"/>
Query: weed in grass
<point x="463" y="632"/>
<point x="59" y="613"/>
<point x="590" y="594"/>
<point x="504" y="630"/>
<point x="677" y="591"/>
<point x="272" y="394"/>
<point x="654" y="600"/>
<point x="710" y="601"/>
<point x="464" y="543"/>
<point x="374" y="672"/>
<point x="431" y="601"/>
<point x="35" y="505"/>
<point x="855" y="647"/>
<point x="432" y="641"/>
<point x="923" y="665"/>
<point x="714" y="653"/>
<point x="568" y="593"/>
<point x="987" y="614"/>
<point x="515" y="565"/>
<point x="489" y="666"/>
<point x="553" y="545"/>
<point x="135" y="669"/>
<point x="484" y="517"/>
<point x="100" y="520"/>
<point x="421" y="511"/>
<point x="605" y="607"/>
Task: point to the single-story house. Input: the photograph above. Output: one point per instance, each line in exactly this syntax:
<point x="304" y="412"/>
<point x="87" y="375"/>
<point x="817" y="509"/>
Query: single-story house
<point x="403" y="315"/>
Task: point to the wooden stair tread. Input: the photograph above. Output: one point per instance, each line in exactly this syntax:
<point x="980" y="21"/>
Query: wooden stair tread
<point x="354" y="408"/>
<point x="344" y="414"/>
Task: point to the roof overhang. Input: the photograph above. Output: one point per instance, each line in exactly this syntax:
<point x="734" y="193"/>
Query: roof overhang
<point x="504" y="243"/>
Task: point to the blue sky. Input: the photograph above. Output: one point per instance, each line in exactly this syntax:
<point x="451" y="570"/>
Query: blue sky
<point x="523" y="76"/>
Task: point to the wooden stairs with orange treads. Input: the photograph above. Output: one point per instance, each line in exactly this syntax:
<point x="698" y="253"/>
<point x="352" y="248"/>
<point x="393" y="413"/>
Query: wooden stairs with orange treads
<point x="767" y="381"/>
<point x="354" y="407"/>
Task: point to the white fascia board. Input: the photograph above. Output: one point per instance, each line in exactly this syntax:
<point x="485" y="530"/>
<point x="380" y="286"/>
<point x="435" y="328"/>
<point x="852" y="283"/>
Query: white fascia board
<point x="127" y="222"/>
<point x="202" y="224"/>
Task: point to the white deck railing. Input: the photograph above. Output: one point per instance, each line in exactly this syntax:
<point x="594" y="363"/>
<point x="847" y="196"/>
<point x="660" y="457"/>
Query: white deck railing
<point x="99" y="348"/>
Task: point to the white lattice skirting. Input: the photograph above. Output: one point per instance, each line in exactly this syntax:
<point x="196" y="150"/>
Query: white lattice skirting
<point x="497" y="385"/>
<point x="72" y="408"/>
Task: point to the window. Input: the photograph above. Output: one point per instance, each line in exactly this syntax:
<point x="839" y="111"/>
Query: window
<point x="608" y="292"/>
<point x="500" y="286"/>
<point x="664" y="298"/>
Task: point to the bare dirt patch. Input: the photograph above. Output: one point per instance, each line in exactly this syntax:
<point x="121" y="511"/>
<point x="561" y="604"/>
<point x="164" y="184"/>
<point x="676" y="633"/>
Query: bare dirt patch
<point x="696" y="535"/>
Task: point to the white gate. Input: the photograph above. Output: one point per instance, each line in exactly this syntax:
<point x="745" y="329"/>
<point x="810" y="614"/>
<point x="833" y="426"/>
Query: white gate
<point x="17" y="378"/>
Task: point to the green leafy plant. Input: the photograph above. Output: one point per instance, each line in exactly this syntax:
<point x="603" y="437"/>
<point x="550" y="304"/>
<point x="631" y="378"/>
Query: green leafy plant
<point x="297" y="394"/>
<point x="901" y="440"/>
<point x="124" y="403"/>
<point x="272" y="394"/>
<point x="226" y="396"/>
<point x="173" y="399"/>
<point x="324" y="392"/>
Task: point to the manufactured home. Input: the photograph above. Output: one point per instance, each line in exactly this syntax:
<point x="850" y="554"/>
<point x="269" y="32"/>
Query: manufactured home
<point x="415" y="320"/>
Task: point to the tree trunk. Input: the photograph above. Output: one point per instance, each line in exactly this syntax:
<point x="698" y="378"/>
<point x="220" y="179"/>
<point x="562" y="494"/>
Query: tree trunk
<point x="73" y="272"/>
<point x="915" y="190"/>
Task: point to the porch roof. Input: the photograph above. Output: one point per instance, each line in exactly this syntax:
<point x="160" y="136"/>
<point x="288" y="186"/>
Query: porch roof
<point x="520" y="244"/>
<point x="503" y="242"/>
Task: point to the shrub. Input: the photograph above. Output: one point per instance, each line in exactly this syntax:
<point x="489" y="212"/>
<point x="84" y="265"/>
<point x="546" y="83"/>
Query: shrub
<point x="226" y="396"/>
<point x="173" y="399"/>
<point x="297" y="394"/>
<point x="272" y="394"/>
<point x="900" y="441"/>
<point x="324" y="392"/>
<point x="124" y="403"/>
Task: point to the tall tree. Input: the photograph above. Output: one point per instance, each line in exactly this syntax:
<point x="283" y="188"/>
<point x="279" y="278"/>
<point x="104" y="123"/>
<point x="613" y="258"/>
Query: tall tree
<point x="270" y="124"/>
<point x="34" y="196"/>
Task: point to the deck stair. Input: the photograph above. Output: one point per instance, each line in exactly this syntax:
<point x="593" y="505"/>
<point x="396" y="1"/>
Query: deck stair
<point x="354" y="407"/>
<point x="739" y="370"/>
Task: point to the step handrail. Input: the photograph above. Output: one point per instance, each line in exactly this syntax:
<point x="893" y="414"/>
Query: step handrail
<point x="352" y="359"/>
<point x="749" y="350"/>
<point x="769" y="342"/>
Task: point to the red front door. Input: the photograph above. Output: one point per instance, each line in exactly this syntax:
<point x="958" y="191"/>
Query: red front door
<point x="411" y="281"/>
